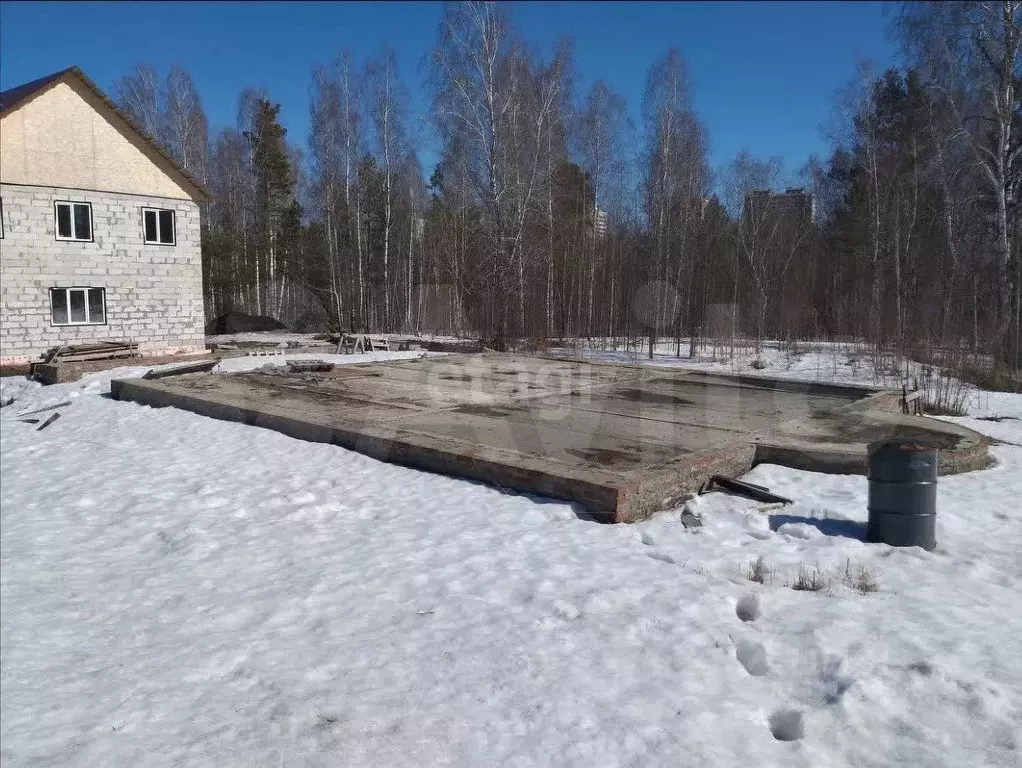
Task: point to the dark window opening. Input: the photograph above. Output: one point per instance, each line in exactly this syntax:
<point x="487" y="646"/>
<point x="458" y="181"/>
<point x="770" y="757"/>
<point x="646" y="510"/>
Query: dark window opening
<point x="78" y="312"/>
<point x="74" y="221"/>
<point x="167" y="227"/>
<point x="58" y="306"/>
<point x="83" y="222"/>
<point x="97" y="310"/>
<point x="78" y="306"/>
<point x="64" y="221"/>
<point x="158" y="226"/>
<point x="150" y="226"/>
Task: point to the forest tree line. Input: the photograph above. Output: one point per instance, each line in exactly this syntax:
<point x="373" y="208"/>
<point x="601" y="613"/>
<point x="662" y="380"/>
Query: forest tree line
<point x="549" y="215"/>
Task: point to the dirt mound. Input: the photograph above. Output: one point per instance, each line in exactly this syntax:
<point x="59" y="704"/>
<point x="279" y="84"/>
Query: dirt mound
<point x="239" y="322"/>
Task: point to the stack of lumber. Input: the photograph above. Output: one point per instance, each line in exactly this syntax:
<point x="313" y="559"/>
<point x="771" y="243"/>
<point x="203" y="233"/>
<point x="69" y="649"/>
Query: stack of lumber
<point x="103" y="350"/>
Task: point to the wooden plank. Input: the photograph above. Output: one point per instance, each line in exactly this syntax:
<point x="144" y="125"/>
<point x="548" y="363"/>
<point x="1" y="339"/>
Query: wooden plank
<point x="756" y="492"/>
<point x="201" y="367"/>
<point x="47" y="408"/>
<point x="47" y="423"/>
<point x="102" y="346"/>
<point x="54" y="353"/>
<point x="102" y="351"/>
<point x="89" y="356"/>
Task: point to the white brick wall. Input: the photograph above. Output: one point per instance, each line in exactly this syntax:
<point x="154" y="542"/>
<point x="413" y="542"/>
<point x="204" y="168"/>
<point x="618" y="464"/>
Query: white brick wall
<point x="153" y="292"/>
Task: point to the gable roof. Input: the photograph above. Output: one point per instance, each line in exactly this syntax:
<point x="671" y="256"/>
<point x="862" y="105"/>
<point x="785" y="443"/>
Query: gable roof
<point x="15" y="97"/>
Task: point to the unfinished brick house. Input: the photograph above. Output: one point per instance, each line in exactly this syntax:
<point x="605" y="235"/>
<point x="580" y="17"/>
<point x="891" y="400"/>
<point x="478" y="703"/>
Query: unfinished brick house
<point x="99" y="228"/>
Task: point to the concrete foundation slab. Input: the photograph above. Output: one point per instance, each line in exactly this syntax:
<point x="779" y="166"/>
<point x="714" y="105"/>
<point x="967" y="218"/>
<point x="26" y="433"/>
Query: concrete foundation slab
<point x="624" y="441"/>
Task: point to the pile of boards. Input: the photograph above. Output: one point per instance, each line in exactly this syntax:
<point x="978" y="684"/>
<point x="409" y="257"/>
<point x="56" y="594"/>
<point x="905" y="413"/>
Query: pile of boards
<point x="49" y="420"/>
<point x="79" y="353"/>
<point x="102" y="350"/>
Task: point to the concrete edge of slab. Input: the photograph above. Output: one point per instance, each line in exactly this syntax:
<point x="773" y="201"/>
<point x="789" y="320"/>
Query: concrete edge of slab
<point x="608" y="495"/>
<point x="599" y="498"/>
<point x="970" y="451"/>
<point x="759" y="382"/>
<point x="666" y="485"/>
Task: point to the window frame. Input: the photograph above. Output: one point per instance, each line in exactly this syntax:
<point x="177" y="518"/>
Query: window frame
<point x="173" y="226"/>
<point x="66" y="290"/>
<point x="1" y="218"/>
<point x="56" y="222"/>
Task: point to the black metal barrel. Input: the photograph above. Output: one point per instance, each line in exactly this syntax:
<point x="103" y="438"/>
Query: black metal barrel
<point x="903" y="493"/>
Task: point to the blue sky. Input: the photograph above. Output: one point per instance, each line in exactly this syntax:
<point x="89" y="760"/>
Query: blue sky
<point x="765" y="75"/>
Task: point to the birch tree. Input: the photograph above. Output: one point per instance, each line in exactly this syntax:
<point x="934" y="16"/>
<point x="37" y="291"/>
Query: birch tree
<point x="674" y="182"/>
<point x="184" y="122"/>
<point x="603" y="124"/>
<point x="486" y="92"/>
<point x="971" y="53"/>
<point x="388" y="104"/>
<point x="138" y="94"/>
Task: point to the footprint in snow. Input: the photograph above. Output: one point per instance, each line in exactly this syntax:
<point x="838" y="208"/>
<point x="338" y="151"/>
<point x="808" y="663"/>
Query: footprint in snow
<point x="748" y="609"/>
<point x="787" y="725"/>
<point x="752" y="656"/>
<point x="647" y="539"/>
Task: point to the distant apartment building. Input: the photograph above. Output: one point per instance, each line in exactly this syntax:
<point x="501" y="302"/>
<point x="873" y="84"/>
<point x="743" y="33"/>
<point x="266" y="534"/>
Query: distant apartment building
<point x="795" y="205"/>
<point x="600" y="223"/>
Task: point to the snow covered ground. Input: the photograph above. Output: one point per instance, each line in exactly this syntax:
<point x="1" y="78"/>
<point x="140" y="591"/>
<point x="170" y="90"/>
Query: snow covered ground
<point x="181" y="591"/>
<point x="815" y="361"/>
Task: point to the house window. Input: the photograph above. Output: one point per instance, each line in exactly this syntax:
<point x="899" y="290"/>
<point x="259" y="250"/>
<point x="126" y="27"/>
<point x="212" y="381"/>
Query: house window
<point x="158" y="226"/>
<point x="78" y="306"/>
<point x="74" y="221"/>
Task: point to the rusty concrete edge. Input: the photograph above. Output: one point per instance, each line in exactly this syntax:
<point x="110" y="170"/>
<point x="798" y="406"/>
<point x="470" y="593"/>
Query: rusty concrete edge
<point x="664" y="486"/>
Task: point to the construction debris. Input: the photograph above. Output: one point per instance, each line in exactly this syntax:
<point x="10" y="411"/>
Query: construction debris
<point x="201" y="367"/>
<point x="753" y="491"/>
<point x="309" y="366"/>
<point x="46" y="408"/>
<point x="264" y="352"/>
<point x="100" y="351"/>
<point x="690" y="519"/>
<point x="29" y="421"/>
<point x="47" y="423"/>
